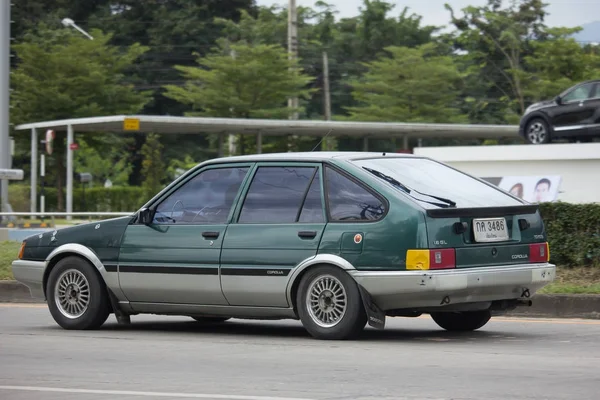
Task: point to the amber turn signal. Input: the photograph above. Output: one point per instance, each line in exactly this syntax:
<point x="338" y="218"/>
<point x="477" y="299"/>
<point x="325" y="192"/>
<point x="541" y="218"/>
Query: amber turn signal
<point x="21" y="250"/>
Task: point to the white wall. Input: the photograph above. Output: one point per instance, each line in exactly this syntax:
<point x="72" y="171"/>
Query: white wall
<point x="577" y="163"/>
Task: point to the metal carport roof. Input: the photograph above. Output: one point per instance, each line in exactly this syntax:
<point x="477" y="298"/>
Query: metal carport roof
<point x="258" y="127"/>
<point x="177" y="125"/>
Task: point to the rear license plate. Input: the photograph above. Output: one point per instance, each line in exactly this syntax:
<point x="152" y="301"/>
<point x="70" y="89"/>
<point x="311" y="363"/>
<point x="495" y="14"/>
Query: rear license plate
<point x="490" y="230"/>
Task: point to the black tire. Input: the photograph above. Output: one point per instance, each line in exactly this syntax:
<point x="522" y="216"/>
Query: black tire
<point x="211" y="319"/>
<point x="98" y="306"/>
<point x="462" y="321"/>
<point x="537" y="125"/>
<point x="352" y="321"/>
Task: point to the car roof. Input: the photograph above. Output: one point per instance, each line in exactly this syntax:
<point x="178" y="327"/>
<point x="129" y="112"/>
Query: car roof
<point x="315" y="156"/>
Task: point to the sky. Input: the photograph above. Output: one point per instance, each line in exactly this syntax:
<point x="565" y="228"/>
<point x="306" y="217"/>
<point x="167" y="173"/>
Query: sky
<point x="561" y="12"/>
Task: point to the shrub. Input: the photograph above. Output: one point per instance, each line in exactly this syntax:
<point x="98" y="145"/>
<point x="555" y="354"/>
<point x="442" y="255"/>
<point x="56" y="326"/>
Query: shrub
<point x="573" y="233"/>
<point x="114" y="199"/>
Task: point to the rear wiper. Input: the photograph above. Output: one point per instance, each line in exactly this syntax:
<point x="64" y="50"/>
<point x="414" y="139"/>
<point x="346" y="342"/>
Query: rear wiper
<point x="388" y="179"/>
<point x="393" y="181"/>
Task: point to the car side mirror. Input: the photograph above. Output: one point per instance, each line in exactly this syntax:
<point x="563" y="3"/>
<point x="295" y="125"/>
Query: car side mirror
<point x="146" y="216"/>
<point x="558" y="100"/>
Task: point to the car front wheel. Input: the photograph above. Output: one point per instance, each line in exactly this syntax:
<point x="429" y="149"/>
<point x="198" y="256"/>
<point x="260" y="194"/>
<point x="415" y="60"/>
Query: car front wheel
<point x="537" y="132"/>
<point x="462" y="321"/>
<point x="329" y="304"/>
<point x="77" y="297"/>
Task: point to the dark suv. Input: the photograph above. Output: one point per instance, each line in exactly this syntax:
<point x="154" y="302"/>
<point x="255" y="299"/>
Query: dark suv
<point x="574" y="114"/>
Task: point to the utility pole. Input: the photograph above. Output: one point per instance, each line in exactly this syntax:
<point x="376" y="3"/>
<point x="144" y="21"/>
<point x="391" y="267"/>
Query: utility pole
<point x="4" y="97"/>
<point x="293" y="46"/>
<point x="326" y="87"/>
<point x="327" y="94"/>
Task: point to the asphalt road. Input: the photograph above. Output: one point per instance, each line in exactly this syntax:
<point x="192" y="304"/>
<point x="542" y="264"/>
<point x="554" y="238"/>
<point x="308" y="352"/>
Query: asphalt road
<point x="173" y="357"/>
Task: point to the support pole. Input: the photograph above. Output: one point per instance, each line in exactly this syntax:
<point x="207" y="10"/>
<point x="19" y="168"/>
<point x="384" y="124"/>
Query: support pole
<point x="43" y="179"/>
<point x="69" y="171"/>
<point x="221" y="144"/>
<point x="259" y="142"/>
<point x="405" y="142"/>
<point x="4" y="98"/>
<point x="292" y="46"/>
<point x="34" y="170"/>
<point x="366" y="143"/>
<point x="326" y="87"/>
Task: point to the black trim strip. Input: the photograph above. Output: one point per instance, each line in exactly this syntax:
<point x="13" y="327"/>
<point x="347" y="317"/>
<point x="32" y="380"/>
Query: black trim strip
<point x="110" y="267"/>
<point x="255" y="271"/>
<point x="168" y="270"/>
<point x="482" y="211"/>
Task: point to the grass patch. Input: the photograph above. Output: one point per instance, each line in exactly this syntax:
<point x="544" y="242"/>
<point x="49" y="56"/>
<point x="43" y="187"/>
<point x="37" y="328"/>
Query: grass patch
<point x="574" y="281"/>
<point x="568" y="280"/>
<point x="8" y="253"/>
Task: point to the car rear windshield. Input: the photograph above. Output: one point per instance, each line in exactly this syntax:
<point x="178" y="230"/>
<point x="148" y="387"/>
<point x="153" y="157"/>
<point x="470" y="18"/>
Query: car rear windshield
<point x="433" y="178"/>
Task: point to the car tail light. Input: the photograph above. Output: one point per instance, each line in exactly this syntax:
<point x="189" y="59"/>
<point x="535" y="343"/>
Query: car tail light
<point x="430" y="259"/>
<point x="21" y="251"/>
<point x="539" y="252"/>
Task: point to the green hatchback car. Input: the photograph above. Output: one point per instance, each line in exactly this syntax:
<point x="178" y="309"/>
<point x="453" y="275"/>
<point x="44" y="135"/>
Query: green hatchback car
<point x="337" y="240"/>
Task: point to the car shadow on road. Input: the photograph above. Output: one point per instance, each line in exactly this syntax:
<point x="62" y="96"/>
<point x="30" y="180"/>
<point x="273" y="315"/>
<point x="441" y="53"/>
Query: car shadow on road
<point x="293" y="329"/>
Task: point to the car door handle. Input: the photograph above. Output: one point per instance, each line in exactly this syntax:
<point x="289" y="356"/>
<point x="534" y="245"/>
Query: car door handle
<point x="307" y="234"/>
<point x="210" y="235"/>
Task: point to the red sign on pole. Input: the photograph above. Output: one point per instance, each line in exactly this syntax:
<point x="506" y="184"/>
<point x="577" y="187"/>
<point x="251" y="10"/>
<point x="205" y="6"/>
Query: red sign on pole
<point x="73" y="146"/>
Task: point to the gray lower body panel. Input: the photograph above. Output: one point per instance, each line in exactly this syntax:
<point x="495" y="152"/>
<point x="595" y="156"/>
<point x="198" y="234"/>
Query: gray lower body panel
<point x="208" y="310"/>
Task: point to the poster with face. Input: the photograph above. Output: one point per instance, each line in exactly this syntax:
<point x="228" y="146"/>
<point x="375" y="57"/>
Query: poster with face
<point x="533" y="189"/>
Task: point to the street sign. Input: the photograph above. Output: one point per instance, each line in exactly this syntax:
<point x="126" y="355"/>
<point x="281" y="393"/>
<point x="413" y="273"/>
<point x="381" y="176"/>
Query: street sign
<point x="131" y="124"/>
<point x="74" y="146"/>
<point x="12" y="174"/>
<point x="50" y="136"/>
<point x="84" y="177"/>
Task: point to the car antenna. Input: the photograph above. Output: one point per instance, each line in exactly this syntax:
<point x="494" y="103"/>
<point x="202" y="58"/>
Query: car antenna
<point x="321" y="141"/>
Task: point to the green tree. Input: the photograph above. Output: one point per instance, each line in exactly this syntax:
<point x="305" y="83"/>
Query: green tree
<point x="60" y="74"/>
<point x="412" y="85"/>
<point x="153" y="166"/>
<point x="241" y="81"/>
<point x="110" y="163"/>
<point x="558" y="63"/>
<point x="496" y="40"/>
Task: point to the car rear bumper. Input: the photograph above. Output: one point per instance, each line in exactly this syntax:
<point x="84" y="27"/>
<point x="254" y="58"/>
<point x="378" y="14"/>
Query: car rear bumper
<point x="392" y="290"/>
<point x="31" y="274"/>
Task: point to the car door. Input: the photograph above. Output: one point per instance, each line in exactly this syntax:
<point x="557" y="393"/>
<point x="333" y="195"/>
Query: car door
<point x="574" y="112"/>
<point x="278" y="225"/>
<point x="593" y="105"/>
<point x="175" y="258"/>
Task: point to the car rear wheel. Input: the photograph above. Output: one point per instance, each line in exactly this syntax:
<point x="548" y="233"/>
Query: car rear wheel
<point x="329" y="304"/>
<point x="462" y="321"/>
<point x="537" y="132"/>
<point x="76" y="295"/>
<point x="211" y="319"/>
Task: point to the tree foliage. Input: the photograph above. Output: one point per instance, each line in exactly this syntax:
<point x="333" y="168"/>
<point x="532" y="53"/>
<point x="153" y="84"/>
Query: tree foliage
<point x="175" y="58"/>
<point x="241" y="81"/>
<point x="411" y="85"/>
<point x="62" y="74"/>
<point x="153" y="166"/>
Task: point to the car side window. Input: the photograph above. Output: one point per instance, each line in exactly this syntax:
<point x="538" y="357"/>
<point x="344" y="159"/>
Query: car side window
<point x="580" y="93"/>
<point x="276" y="195"/>
<point x="349" y="201"/>
<point x="312" y="210"/>
<point x="207" y="198"/>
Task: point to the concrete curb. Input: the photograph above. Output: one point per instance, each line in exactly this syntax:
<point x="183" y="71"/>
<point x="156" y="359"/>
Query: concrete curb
<point x="544" y="305"/>
<point x="15" y="292"/>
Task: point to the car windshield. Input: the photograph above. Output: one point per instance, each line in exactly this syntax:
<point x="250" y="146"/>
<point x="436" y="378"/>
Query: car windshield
<point x="426" y="178"/>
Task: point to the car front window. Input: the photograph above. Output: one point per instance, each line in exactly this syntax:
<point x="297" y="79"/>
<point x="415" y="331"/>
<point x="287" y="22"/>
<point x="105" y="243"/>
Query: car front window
<point x="434" y="178"/>
<point x="207" y="198"/>
<point x="580" y="93"/>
